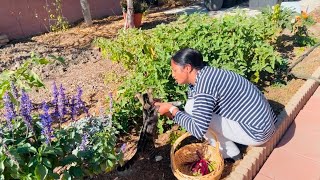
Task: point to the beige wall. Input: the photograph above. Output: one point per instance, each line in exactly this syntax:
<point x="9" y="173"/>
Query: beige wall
<point x="24" y="18"/>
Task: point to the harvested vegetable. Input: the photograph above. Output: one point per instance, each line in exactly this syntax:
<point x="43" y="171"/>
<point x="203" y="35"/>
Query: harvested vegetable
<point x="201" y="167"/>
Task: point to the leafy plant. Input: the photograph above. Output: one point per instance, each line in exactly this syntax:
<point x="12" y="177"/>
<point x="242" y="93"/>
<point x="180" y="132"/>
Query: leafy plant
<point x="56" y="19"/>
<point x="238" y="43"/>
<point x="23" y="77"/>
<point x="139" y="6"/>
<point x="32" y="147"/>
<point x="281" y="17"/>
<point x="300" y="30"/>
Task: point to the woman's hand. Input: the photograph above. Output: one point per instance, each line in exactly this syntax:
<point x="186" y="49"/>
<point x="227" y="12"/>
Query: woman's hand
<point x="164" y="109"/>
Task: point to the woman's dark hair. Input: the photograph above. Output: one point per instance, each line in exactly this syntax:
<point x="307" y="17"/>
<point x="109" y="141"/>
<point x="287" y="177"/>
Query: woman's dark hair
<point x="189" y="56"/>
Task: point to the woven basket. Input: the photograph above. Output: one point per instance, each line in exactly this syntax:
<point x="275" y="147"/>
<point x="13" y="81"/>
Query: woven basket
<point x="187" y="154"/>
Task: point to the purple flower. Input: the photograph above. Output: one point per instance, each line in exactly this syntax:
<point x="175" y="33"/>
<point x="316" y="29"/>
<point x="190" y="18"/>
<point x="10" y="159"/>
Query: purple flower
<point x="80" y="104"/>
<point x="25" y="109"/>
<point x="10" y="113"/>
<point x="62" y="101"/>
<point x="14" y="90"/>
<point x="55" y="95"/>
<point x="84" y="142"/>
<point x="123" y="147"/>
<point x="73" y="108"/>
<point x="46" y="122"/>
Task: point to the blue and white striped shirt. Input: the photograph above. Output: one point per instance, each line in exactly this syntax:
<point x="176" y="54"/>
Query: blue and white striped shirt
<point x="231" y="96"/>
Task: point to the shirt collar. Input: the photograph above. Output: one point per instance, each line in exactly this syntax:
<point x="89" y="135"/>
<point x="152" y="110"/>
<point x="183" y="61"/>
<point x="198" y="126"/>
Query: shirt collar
<point x="198" y="76"/>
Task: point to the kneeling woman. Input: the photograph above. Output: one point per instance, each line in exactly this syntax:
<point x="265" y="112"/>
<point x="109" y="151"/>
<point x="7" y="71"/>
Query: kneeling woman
<point x="234" y="108"/>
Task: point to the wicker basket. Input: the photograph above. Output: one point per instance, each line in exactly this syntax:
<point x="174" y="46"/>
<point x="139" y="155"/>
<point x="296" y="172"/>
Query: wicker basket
<point x="188" y="154"/>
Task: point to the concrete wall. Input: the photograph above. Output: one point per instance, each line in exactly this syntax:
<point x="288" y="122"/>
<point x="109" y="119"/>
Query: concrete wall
<point x="24" y="18"/>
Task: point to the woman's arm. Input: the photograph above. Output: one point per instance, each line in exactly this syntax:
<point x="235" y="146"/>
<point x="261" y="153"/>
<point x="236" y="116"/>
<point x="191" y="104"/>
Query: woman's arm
<point x="198" y="123"/>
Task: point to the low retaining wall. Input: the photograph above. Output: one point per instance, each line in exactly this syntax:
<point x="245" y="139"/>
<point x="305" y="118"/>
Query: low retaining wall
<point x="23" y="18"/>
<point x="251" y="163"/>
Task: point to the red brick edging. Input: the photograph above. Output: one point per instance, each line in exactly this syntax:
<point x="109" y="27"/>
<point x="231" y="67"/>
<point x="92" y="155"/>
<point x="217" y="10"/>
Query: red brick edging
<point x="251" y="163"/>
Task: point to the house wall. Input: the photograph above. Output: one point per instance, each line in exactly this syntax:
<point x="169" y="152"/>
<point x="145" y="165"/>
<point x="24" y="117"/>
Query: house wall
<point x="24" y="18"/>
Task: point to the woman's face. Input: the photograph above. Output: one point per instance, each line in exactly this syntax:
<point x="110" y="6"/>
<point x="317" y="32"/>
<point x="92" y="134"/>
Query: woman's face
<point x="179" y="73"/>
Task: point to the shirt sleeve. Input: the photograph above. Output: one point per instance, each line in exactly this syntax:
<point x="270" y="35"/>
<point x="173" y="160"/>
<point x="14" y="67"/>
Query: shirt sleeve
<point x="198" y="123"/>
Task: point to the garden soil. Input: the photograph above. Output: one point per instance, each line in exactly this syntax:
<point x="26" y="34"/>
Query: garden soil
<point x="97" y="77"/>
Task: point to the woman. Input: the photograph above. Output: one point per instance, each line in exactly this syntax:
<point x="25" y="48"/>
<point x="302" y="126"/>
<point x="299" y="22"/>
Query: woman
<point x="221" y="100"/>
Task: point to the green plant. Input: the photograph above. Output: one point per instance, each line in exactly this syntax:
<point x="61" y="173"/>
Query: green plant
<point x="34" y="149"/>
<point x="23" y="77"/>
<point x="174" y="135"/>
<point x="281" y="17"/>
<point x="139" y="6"/>
<point x="57" y="21"/>
<point x="297" y="23"/>
<point x="300" y="30"/>
<point x="238" y="43"/>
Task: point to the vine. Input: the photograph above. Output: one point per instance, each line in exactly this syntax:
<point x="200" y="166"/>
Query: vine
<point x="57" y="21"/>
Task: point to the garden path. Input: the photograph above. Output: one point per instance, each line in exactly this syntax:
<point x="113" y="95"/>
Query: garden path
<point x="297" y="155"/>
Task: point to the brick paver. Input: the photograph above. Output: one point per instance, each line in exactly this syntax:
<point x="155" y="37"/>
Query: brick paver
<point x="297" y="155"/>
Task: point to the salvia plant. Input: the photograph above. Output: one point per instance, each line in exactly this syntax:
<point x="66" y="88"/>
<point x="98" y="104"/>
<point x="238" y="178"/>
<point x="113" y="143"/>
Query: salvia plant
<point x="33" y="146"/>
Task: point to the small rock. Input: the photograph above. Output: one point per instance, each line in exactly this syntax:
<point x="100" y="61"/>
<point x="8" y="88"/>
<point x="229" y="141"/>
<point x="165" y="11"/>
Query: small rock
<point x="158" y="158"/>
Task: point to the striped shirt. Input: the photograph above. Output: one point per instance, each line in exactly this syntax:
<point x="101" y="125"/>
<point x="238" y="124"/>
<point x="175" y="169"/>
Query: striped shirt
<point x="231" y="96"/>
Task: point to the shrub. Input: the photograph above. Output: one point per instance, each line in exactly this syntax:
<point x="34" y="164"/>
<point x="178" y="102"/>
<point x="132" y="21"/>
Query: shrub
<point x="235" y="42"/>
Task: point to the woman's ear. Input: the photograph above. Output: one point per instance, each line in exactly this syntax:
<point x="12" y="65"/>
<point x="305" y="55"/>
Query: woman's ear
<point x="188" y="68"/>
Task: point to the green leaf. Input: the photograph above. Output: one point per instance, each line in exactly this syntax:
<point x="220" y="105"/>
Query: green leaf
<point x="111" y="156"/>
<point x="268" y="69"/>
<point x="69" y="159"/>
<point x="4" y="86"/>
<point x="34" y="80"/>
<point x="33" y="149"/>
<point x="50" y="150"/>
<point x="109" y="163"/>
<point x="8" y="141"/>
<point x="46" y="162"/>
<point x="41" y="172"/>
<point x="58" y="58"/>
<point x="54" y="175"/>
<point x="2" y="166"/>
<point x="66" y="176"/>
<point x="42" y="61"/>
<point x="27" y="177"/>
<point x="26" y="148"/>
<point x="85" y="154"/>
<point x="33" y="161"/>
<point x="76" y="171"/>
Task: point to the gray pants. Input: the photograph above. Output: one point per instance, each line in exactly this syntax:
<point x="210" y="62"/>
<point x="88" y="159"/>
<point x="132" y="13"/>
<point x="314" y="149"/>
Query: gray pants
<point x="227" y="131"/>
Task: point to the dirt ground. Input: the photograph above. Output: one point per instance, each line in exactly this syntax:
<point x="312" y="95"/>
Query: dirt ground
<point x="85" y="68"/>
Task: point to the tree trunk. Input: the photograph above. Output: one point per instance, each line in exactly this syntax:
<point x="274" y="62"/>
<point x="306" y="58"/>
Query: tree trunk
<point x="86" y="12"/>
<point x="130" y="19"/>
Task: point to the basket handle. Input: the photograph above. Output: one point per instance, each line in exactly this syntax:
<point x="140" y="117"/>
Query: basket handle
<point x="180" y="139"/>
<point x="187" y="134"/>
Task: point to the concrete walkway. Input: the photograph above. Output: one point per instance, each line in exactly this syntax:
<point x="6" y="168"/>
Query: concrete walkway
<point x="305" y="5"/>
<point x="297" y="155"/>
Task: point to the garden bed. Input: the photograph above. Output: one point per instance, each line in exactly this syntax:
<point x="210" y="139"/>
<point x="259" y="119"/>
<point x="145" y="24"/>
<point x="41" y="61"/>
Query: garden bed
<point x="95" y="75"/>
